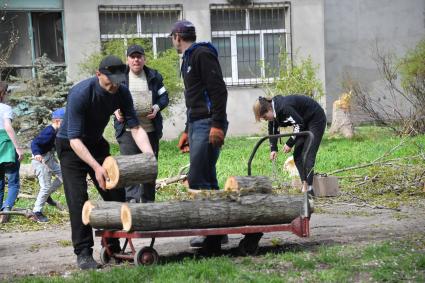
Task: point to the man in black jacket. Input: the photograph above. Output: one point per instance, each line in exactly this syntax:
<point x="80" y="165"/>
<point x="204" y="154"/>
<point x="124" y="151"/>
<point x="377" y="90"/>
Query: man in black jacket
<point x="206" y="99"/>
<point x="150" y="97"/>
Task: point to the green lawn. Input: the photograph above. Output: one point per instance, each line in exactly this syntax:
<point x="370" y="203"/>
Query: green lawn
<point x="389" y="261"/>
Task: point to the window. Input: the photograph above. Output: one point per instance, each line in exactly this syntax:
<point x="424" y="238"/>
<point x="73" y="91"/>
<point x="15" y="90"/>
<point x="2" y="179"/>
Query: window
<point x="150" y="22"/>
<point x="46" y="29"/>
<point x="249" y="41"/>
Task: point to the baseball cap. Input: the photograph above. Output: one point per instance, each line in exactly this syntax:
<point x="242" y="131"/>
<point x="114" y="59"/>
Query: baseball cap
<point x="58" y="113"/>
<point x="113" y="68"/>
<point x="135" y="49"/>
<point x="183" y="26"/>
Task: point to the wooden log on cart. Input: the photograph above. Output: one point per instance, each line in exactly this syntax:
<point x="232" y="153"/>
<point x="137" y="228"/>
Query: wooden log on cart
<point x="254" y="209"/>
<point x="248" y="184"/>
<point x="102" y="214"/>
<point x="126" y="170"/>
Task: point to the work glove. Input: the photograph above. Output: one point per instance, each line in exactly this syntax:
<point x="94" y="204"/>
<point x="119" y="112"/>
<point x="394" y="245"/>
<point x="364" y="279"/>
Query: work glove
<point x="216" y="137"/>
<point x="183" y="144"/>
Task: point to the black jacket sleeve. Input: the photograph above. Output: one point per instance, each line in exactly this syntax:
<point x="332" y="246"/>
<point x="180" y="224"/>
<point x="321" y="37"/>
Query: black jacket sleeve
<point x="296" y="121"/>
<point x="212" y="78"/>
<point x="273" y="130"/>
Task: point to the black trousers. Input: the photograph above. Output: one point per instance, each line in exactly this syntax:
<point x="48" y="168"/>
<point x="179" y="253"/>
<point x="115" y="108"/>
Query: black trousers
<point x="74" y="173"/>
<point x="144" y="192"/>
<point x="317" y="126"/>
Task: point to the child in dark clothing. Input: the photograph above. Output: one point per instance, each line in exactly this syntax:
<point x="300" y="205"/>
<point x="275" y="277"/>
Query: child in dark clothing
<point x="304" y="114"/>
<point x="45" y="164"/>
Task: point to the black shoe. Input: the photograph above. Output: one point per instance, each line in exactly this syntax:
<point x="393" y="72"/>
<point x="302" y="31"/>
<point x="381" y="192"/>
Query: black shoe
<point x="39" y="217"/>
<point x="54" y="203"/>
<point x="199" y="242"/>
<point x="85" y="262"/>
<point x="50" y="201"/>
<point x="310" y="193"/>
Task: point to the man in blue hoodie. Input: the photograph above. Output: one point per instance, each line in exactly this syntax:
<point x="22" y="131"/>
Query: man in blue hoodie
<point x="206" y="99"/>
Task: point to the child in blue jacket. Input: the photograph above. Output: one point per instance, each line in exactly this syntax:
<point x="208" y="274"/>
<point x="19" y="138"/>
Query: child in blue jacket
<point x="45" y="164"/>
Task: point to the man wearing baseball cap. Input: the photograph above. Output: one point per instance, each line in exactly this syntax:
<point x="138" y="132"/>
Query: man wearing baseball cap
<point x="206" y="100"/>
<point x="82" y="149"/>
<point x="150" y="97"/>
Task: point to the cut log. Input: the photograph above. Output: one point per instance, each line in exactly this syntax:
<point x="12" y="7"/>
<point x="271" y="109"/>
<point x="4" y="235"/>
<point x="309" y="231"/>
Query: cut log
<point x="248" y="184"/>
<point x="102" y="214"/>
<point x="127" y="170"/>
<point x="254" y="209"/>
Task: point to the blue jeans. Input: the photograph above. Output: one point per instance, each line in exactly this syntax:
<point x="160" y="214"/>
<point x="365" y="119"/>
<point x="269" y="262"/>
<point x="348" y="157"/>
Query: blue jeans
<point x="12" y="175"/>
<point x="203" y="156"/>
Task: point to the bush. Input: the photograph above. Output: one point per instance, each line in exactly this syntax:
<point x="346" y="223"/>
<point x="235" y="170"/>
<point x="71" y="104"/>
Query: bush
<point x="298" y="77"/>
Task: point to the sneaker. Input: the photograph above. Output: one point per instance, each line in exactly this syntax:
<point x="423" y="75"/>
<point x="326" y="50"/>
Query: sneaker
<point x="4" y="218"/>
<point x="85" y="262"/>
<point x="54" y="203"/>
<point x="50" y="201"/>
<point x="39" y="217"/>
<point x="198" y="242"/>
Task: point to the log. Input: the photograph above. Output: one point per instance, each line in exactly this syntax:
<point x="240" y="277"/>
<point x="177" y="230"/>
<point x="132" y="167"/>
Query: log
<point x="127" y="170"/>
<point x="254" y="209"/>
<point x="102" y="214"/>
<point x="248" y="184"/>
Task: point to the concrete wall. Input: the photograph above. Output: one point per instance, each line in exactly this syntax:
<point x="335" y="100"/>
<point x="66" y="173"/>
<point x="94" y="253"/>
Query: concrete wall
<point x="352" y="30"/>
<point x="82" y="35"/>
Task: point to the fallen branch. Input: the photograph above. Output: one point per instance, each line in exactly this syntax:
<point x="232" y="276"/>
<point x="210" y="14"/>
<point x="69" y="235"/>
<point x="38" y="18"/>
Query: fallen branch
<point x="386" y="162"/>
<point x="27" y="213"/>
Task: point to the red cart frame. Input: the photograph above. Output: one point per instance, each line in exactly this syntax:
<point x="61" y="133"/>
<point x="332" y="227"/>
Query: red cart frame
<point x="300" y="226"/>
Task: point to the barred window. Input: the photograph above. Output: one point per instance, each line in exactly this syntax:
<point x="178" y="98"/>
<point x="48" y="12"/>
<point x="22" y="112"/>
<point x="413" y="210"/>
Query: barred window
<point x="249" y="40"/>
<point x="149" y="22"/>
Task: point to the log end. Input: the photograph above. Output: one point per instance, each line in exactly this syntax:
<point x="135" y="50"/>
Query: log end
<point x="126" y="217"/>
<point x="231" y="184"/>
<point x="87" y="208"/>
<point x="111" y="166"/>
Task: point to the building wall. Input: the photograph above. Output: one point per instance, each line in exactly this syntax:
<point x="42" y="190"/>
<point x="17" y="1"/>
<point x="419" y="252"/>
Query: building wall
<point x="82" y="32"/>
<point x="352" y="30"/>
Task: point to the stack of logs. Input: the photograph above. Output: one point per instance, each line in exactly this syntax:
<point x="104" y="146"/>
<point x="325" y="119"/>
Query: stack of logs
<point x="244" y="201"/>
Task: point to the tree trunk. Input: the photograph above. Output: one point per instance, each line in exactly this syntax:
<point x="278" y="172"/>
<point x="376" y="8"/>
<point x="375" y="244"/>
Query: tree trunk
<point x="246" y="184"/>
<point x="129" y="170"/>
<point x="102" y="214"/>
<point x="341" y="121"/>
<point x="254" y="209"/>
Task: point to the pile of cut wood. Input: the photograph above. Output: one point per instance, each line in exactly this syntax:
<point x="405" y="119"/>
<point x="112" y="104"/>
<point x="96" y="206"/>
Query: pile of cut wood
<point x="244" y="201"/>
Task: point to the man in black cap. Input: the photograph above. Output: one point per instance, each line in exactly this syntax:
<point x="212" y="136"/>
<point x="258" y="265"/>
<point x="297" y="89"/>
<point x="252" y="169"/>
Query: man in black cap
<point x="82" y="149"/>
<point x="150" y="97"/>
<point x="206" y="100"/>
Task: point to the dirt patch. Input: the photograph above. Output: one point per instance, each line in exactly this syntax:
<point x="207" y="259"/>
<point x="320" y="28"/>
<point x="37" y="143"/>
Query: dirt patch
<point x="50" y="251"/>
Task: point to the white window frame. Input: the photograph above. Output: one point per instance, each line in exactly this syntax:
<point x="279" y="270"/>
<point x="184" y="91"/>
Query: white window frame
<point x="232" y="34"/>
<point x="139" y="31"/>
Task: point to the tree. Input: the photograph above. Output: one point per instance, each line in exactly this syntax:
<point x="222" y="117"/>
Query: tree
<point x="401" y="106"/>
<point x="42" y="95"/>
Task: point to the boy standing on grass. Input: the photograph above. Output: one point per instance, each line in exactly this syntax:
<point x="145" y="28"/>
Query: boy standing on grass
<point x="45" y="165"/>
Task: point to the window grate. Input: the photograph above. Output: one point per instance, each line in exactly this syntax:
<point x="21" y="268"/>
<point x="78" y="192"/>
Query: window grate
<point x="151" y="23"/>
<point x="250" y="40"/>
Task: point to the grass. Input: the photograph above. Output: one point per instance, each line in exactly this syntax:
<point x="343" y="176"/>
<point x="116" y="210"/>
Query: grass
<point x="387" y="261"/>
<point x="368" y="144"/>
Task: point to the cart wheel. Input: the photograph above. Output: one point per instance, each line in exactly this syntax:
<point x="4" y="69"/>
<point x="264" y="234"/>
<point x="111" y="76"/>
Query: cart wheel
<point x="146" y="256"/>
<point x="105" y="258"/>
<point x="249" y="244"/>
